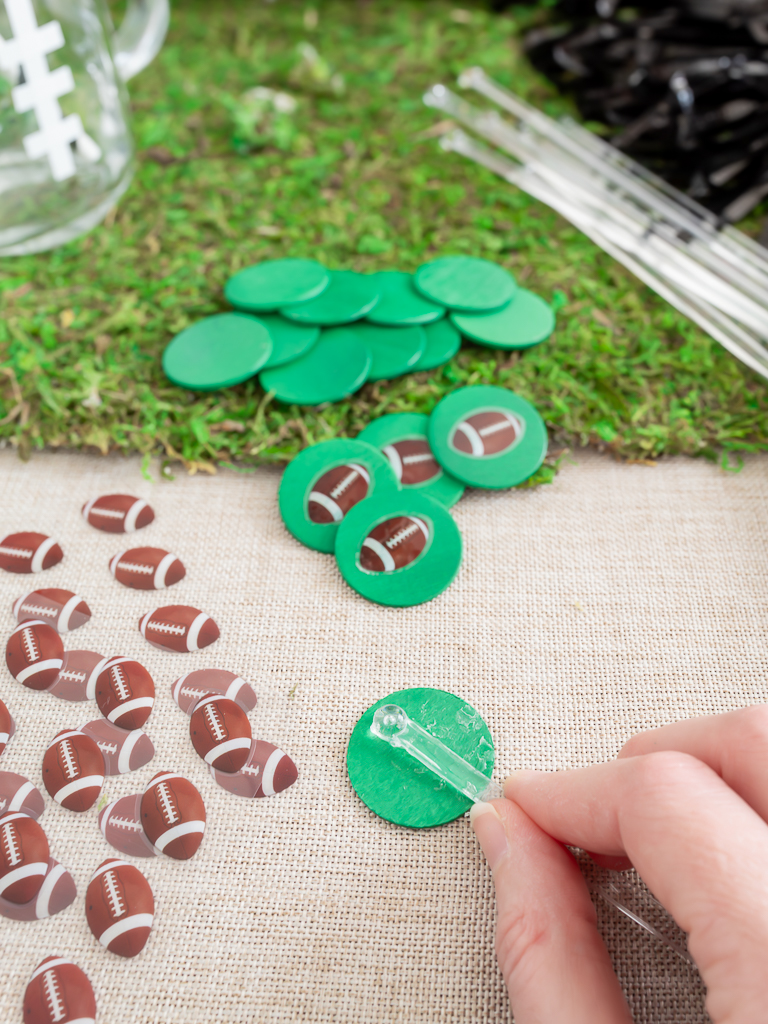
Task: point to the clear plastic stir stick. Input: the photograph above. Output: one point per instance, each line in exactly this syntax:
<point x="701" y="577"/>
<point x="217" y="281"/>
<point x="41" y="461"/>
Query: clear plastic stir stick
<point x="392" y="724"/>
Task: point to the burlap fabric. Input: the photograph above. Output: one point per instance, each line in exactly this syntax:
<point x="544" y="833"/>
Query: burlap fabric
<point x="619" y="598"/>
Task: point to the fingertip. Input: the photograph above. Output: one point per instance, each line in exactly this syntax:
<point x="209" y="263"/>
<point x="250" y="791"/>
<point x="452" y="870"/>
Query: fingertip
<point x="491" y="832"/>
<point x="515" y="779"/>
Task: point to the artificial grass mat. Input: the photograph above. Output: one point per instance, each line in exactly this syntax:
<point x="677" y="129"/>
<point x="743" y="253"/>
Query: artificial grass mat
<point x="356" y="180"/>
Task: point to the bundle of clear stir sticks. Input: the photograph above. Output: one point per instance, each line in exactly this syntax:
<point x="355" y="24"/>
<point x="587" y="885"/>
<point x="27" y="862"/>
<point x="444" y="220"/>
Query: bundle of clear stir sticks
<point x="713" y="274"/>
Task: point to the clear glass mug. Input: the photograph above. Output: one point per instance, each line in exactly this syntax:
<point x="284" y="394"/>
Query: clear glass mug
<point x="66" y="152"/>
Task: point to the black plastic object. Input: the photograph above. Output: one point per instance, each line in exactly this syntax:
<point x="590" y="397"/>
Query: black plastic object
<point x="682" y="88"/>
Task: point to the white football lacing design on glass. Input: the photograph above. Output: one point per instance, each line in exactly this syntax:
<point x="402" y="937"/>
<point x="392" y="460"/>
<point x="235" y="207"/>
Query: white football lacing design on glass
<point x="42" y="88"/>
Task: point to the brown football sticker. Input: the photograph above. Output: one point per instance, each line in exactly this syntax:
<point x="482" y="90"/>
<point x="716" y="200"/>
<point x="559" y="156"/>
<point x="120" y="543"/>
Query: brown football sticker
<point x="489" y="432"/>
<point x="334" y="494"/>
<point x="147" y="568"/>
<point x="119" y="907"/>
<point x="412" y="461"/>
<point x="118" y="513"/>
<point x="57" y="892"/>
<point x="77" y="677"/>
<point x="120" y="824"/>
<point x="34" y="654"/>
<point x="29" y="552"/>
<point x="178" y="627"/>
<point x="62" y="609"/>
<point x="394" y="544"/>
<point x="267" y="771"/>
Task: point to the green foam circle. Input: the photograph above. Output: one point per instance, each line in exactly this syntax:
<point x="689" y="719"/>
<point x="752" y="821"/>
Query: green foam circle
<point x="217" y="352"/>
<point x="426" y="577"/>
<point x="267" y="286"/>
<point x="400" y="304"/>
<point x="503" y="469"/>
<point x="386" y="432"/>
<point x="443" y="342"/>
<point x="334" y="368"/>
<point x="289" y="340"/>
<point x="399" y="789"/>
<point x="526" y="321"/>
<point x="349" y="296"/>
<point x="305" y="470"/>
<point x="465" y="283"/>
<point x="394" y="350"/>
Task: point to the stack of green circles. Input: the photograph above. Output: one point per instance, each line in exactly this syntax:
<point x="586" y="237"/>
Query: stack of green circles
<point x="314" y="335"/>
<point x="381" y="502"/>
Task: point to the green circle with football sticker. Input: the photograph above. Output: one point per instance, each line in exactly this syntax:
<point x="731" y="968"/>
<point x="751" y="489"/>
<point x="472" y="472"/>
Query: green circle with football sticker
<point x="396" y="787"/>
<point x="487" y="436"/>
<point x="289" y="340"/>
<point x="402" y="437"/>
<point x="394" y="350"/>
<point x="526" y="321"/>
<point x="466" y="283"/>
<point x="399" y="548"/>
<point x="349" y="296"/>
<point x="267" y="286"/>
<point x="217" y="352"/>
<point x="443" y="342"/>
<point x="324" y="482"/>
<point x="400" y="304"/>
<point x="335" y="367"/>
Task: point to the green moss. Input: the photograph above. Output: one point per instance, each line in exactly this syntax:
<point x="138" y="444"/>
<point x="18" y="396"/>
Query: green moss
<point x="358" y="182"/>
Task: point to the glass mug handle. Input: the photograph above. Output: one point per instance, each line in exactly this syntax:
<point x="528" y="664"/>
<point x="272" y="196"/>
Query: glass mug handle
<point x="140" y="36"/>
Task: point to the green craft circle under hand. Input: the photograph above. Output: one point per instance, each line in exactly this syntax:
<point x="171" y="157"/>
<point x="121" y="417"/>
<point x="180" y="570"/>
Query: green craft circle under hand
<point x="349" y="296"/>
<point x="217" y="352"/>
<point x="487" y="436"/>
<point x="402" y="437"/>
<point x="396" y="787"/>
<point x="267" y="286"/>
<point x="399" y="548"/>
<point x="466" y="283"/>
<point x="400" y="304"/>
<point x="334" y="368"/>
<point x="443" y="342"/>
<point x="324" y="482"/>
<point x="526" y="321"/>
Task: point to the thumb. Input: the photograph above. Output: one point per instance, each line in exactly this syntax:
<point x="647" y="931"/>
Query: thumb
<point x="553" y="960"/>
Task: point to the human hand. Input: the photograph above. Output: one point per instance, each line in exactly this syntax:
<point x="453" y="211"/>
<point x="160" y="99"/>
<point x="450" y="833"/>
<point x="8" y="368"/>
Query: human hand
<point x="688" y="805"/>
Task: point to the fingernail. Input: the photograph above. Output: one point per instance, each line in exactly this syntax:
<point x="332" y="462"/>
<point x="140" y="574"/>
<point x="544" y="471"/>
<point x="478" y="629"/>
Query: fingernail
<point x="513" y="777"/>
<point x="490" y="832"/>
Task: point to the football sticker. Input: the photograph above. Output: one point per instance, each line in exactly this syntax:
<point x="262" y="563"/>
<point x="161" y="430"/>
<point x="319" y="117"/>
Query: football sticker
<point x="487" y="436"/>
<point x="399" y="548"/>
<point x="394" y="544"/>
<point x="412" y="461"/>
<point x="488" y="432"/>
<point x="336" y="492"/>
<point x="402" y="439"/>
<point x="325" y="482"/>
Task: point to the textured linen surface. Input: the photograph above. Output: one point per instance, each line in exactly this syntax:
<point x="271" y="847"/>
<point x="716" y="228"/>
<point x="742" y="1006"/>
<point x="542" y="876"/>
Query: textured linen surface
<point x="619" y="598"/>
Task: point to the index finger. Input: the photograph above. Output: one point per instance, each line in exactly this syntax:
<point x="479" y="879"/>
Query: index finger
<point x="702" y="850"/>
<point x="735" y="745"/>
